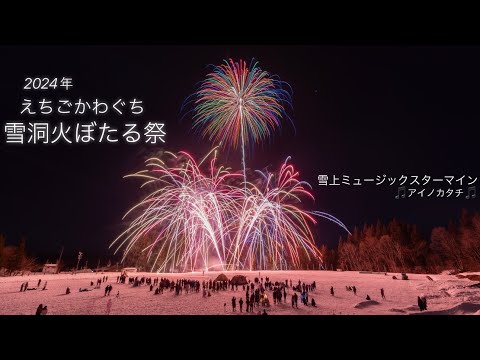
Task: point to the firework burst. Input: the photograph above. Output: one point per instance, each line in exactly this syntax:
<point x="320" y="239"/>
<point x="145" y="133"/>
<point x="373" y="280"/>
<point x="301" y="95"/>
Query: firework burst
<point x="238" y="105"/>
<point x="191" y="216"/>
<point x="188" y="213"/>
<point x="273" y="231"/>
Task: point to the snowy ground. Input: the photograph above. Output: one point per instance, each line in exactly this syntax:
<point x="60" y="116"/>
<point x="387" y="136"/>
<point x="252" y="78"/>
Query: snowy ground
<point x="446" y="294"/>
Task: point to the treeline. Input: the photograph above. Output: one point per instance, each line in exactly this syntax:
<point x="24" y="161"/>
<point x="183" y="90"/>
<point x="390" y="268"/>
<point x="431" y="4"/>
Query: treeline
<point x="14" y="258"/>
<point x="399" y="247"/>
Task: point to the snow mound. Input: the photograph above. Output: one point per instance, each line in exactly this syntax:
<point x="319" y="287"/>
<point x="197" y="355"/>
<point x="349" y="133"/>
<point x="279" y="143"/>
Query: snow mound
<point x="449" y="272"/>
<point x="445" y="293"/>
<point x="365" y="304"/>
<point x="465" y="308"/>
<point x="397" y="311"/>
<point x="465" y="294"/>
<point x="440" y="295"/>
<point x="471" y="276"/>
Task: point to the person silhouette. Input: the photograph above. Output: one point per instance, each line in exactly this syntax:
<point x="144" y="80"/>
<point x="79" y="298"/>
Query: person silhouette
<point x="39" y="309"/>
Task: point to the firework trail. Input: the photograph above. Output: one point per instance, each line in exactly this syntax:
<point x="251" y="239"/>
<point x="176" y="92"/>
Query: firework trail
<point x="238" y="105"/>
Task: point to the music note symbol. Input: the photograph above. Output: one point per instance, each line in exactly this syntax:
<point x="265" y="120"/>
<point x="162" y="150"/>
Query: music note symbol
<point x="401" y="190"/>
<point x="472" y="193"/>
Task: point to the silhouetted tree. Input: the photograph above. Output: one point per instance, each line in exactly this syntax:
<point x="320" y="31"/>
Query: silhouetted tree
<point x="21" y="254"/>
<point x="470" y="240"/>
<point x="2" y="248"/>
<point x="446" y="243"/>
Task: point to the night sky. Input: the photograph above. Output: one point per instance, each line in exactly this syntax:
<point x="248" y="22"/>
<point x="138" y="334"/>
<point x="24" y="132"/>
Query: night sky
<point x="358" y="111"/>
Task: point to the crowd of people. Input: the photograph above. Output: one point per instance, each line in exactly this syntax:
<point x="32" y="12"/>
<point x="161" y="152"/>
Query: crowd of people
<point x="257" y="292"/>
<point x="24" y="286"/>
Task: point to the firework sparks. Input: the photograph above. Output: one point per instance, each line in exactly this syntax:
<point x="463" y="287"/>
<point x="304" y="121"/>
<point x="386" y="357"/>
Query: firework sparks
<point x="191" y="216"/>
<point x="239" y="105"/>
<point x="188" y="212"/>
<point x="273" y="231"/>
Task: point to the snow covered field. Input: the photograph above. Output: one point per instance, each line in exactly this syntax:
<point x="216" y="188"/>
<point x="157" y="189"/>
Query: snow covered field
<point x="446" y="294"/>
